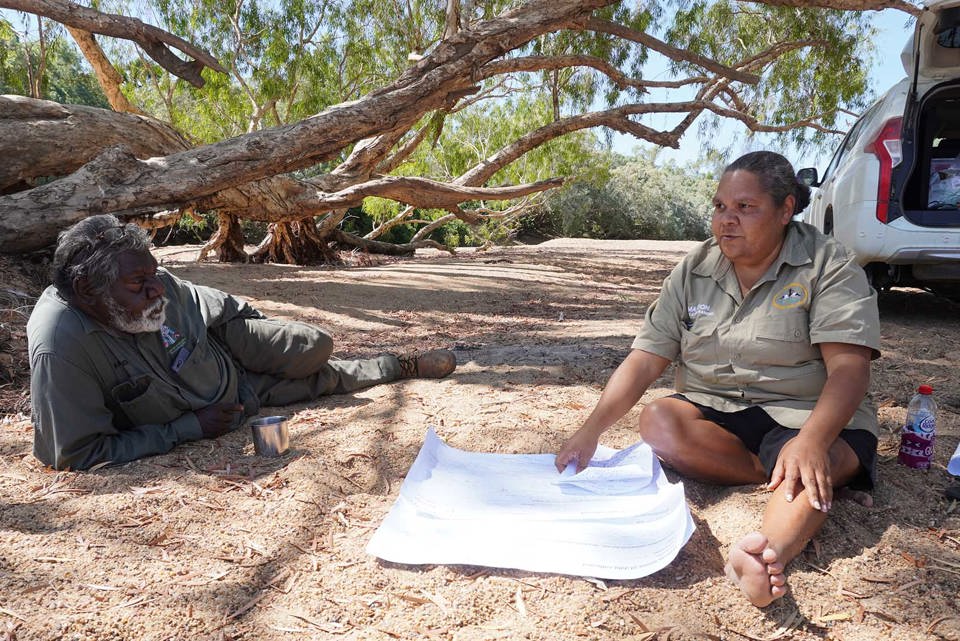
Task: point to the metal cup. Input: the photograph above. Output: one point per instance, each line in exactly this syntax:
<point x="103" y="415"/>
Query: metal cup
<point x="270" y="435"/>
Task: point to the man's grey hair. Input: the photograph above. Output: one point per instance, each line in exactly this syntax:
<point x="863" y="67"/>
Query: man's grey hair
<point x="91" y="249"/>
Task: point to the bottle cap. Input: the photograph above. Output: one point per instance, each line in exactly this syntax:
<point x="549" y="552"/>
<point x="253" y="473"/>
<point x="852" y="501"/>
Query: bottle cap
<point x="925" y="389"/>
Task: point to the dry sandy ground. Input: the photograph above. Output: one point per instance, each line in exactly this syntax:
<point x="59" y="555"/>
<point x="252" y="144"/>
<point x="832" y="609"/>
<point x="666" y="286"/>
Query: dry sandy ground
<point x="212" y="542"/>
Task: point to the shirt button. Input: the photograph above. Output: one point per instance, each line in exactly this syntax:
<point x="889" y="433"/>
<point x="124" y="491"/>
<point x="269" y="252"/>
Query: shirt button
<point x="796" y="333"/>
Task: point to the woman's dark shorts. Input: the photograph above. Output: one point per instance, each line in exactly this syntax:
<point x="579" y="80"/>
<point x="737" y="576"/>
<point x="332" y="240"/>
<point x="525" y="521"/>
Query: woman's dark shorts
<point x="765" y="437"/>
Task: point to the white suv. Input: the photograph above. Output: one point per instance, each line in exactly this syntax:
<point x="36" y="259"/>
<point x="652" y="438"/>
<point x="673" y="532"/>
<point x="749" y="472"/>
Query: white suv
<point x="891" y="193"/>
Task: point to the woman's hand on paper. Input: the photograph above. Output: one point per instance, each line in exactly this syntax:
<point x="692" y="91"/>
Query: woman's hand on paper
<point x="580" y="448"/>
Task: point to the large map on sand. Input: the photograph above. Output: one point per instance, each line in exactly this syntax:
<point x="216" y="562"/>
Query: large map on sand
<point x="618" y="519"/>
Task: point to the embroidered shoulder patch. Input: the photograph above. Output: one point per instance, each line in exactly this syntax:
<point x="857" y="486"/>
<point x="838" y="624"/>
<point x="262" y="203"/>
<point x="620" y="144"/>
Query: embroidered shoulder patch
<point x="793" y="295"/>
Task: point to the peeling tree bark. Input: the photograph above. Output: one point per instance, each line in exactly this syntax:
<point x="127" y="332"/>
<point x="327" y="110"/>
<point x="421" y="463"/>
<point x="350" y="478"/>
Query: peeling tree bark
<point x="94" y="139"/>
<point x="40" y="139"/>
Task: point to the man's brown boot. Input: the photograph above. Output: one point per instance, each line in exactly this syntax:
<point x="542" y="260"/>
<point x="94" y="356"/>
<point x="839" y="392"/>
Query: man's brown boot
<point x="436" y="363"/>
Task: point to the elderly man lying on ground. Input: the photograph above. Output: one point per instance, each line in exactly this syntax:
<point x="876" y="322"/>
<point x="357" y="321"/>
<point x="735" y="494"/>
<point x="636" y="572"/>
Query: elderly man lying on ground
<point x="126" y="360"/>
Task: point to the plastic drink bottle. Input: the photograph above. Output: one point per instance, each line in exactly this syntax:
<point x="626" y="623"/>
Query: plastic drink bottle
<point x="916" y="439"/>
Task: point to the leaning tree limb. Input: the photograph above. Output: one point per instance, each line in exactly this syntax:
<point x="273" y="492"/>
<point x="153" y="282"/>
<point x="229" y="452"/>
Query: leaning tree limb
<point x="155" y="41"/>
<point x="847" y="5"/>
<point x="40" y="139"/>
<point x="25" y="125"/>
<point x="107" y="75"/>
<point x="606" y="26"/>
<point x="391" y="249"/>
<point x="430" y="194"/>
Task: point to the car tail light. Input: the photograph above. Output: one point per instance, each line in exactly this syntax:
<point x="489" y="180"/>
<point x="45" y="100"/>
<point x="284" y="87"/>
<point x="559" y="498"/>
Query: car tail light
<point x="886" y="147"/>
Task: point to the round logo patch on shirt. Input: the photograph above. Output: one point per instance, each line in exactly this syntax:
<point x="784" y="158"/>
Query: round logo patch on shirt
<point x="793" y="295"/>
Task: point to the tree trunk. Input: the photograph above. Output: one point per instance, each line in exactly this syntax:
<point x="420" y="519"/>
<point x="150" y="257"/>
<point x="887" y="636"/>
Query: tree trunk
<point x="295" y="243"/>
<point x="227" y="241"/>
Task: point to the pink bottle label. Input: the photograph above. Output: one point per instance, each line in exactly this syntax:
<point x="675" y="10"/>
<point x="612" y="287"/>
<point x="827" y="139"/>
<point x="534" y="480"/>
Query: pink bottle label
<point x="916" y="449"/>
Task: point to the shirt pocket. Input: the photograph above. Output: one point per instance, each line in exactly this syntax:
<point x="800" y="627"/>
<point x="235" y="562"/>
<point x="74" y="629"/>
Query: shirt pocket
<point x="699" y="344"/>
<point x="142" y="401"/>
<point x="201" y="373"/>
<point x="784" y="340"/>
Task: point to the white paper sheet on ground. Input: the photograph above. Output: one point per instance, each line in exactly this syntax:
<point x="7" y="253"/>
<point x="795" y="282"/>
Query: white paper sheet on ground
<point x="954" y="465"/>
<point x="618" y="519"/>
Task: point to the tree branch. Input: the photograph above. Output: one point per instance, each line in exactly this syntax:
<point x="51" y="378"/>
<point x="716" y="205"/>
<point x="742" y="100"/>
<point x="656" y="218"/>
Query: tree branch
<point x="614" y="29"/>
<point x="106" y="73"/>
<point x="429" y="194"/>
<point x="705" y="105"/>
<point x="155" y="41"/>
<point x="847" y="5"/>
<point x="387" y="225"/>
<point x="481" y="213"/>
<point x="403" y="152"/>
<point x="394" y="249"/>
<point x="543" y="63"/>
<point x="613" y="118"/>
<point x="778" y="50"/>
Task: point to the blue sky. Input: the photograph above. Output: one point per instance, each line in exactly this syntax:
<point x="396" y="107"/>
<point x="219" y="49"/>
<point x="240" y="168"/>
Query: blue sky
<point x="894" y="28"/>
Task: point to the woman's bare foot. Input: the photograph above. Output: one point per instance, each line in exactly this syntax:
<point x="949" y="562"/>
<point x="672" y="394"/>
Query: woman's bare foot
<point x="753" y="567"/>
<point x="857" y="496"/>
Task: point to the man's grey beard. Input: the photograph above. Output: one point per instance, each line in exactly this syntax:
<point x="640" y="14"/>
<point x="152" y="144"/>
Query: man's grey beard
<point x="149" y="320"/>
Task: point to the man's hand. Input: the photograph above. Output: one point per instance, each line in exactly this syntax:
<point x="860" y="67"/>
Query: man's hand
<point x="579" y="447"/>
<point x="218" y="418"/>
<point x="804" y="465"/>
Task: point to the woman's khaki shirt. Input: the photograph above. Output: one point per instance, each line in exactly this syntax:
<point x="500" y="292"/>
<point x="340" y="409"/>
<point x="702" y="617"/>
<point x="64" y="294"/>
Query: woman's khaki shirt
<point x="735" y="351"/>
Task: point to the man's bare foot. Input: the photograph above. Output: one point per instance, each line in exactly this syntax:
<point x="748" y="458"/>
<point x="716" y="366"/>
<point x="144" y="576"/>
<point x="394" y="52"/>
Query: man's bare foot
<point x="753" y="567"/>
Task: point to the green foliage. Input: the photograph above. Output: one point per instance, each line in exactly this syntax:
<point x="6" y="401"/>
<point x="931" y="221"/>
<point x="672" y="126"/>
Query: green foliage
<point x="580" y="88"/>
<point x="66" y="78"/>
<point x="12" y="80"/>
<point x="471" y="135"/>
<point x="289" y="58"/>
<point x="638" y="200"/>
<point x="803" y="81"/>
<point x="588" y="210"/>
<point x="667" y="202"/>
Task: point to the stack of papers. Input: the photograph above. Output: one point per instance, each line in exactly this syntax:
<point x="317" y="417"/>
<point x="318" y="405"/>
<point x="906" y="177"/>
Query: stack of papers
<point x="618" y="519"/>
